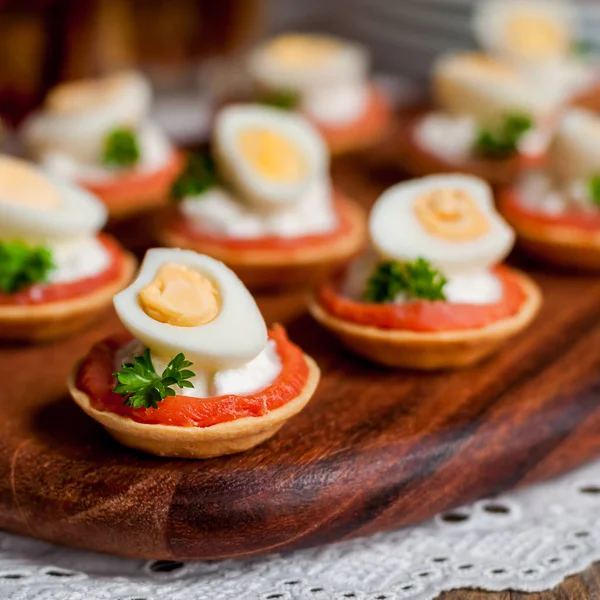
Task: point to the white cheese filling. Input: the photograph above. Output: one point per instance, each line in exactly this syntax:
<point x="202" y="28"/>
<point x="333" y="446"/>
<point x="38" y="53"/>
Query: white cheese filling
<point x="155" y="153"/>
<point x="78" y="259"/>
<point x="538" y="192"/>
<point x="218" y="211"/>
<point x="337" y="104"/>
<point x="453" y="137"/>
<point x="254" y="376"/>
<point x="480" y="288"/>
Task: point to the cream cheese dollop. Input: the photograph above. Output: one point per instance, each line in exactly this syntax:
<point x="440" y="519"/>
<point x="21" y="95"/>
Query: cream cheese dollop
<point x="219" y="212"/>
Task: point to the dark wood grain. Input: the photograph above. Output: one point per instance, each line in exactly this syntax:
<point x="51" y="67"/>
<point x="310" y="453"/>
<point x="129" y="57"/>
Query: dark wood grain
<point x="374" y="450"/>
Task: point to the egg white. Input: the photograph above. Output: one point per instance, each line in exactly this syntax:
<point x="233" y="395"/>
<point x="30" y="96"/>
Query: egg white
<point x="575" y="151"/>
<point x="80" y="132"/>
<point x="459" y="87"/>
<point x="348" y="62"/>
<point x="237" y="335"/>
<point x="491" y="18"/>
<point x="397" y="234"/>
<point x="79" y="214"/>
<point x="246" y="181"/>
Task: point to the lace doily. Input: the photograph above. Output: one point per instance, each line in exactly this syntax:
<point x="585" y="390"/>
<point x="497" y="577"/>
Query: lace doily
<point x="527" y="540"/>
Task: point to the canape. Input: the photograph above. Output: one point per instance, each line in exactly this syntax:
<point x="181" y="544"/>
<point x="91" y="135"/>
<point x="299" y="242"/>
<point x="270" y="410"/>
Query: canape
<point x="327" y="79"/>
<point x="556" y="212"/>
<point x="198" y="375"/>
<point x="431" y="293"/>
<point x="263" y="202"/>
<point x="489" y="121"/>
<point x="97" y="133"/>
<point x="540" y="37"/>
<point x="57" y="273"/>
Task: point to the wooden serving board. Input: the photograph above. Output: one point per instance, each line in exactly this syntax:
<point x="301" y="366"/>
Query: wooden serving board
<point x="374" y="449"/>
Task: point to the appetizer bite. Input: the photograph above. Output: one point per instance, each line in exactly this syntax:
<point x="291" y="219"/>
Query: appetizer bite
<point x="263" y="202"/>
<point x="96" y="132"/>
<point x="489" y="121"/>
<point x="57" y="273"/>
<point x="540" y="37"/>
<point x="198" y="374"/>
<point x="556" y="212"/>
<point x="327" y="79"/>
<point x="431" y="293"/>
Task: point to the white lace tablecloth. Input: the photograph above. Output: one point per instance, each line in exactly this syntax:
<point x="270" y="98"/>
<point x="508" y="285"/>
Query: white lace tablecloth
<point x="527" y="540"/>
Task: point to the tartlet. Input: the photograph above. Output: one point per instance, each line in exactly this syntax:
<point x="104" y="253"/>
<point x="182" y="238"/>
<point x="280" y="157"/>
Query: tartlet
<point x="187" y="303"/>
<point x="555" y="212"/>
<point x="326" y="78"/>
<point x="435" y="297"/>
<point x="487" y="121"/>
<point x="97" y="133"/>
<point x="541" y="39"/>
<point x="57" y="272"/>
<point x="300" y="235"/>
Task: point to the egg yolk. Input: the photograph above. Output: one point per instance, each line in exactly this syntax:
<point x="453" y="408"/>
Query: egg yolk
<point x="451" y="214"/>
<point x="302" y="50"/>
<point x="273" y="156"/>
<point x="534" y="36"/>
<point x="180" y="296"/>
<point x="82" y="95"/>
<point x="22" y="186"/>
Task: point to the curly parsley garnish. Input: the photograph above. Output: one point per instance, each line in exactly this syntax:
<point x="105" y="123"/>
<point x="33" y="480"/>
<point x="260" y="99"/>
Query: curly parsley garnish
<point x="415" y="280"/>
<point x="142" y="387"/>
<point x="198" y="176"/>
<point x="121" y="148"/>
<point x="503" y="141"/>
<point x="283" y="99"/>
<point x="594" y="189"/>
<point x="22" y="265"/>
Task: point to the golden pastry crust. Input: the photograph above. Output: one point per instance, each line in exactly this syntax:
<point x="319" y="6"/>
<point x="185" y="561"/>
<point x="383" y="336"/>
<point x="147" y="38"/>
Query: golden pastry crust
<point x="198" y="442"/>
<point x="431" y="350"/>
<point x="419" y="162"/>
<point x="280" y="267"/>
<point x="561" y="245"/>
<point x="47" y="321"/>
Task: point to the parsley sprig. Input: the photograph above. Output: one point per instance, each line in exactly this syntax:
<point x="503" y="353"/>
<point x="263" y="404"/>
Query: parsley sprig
<point x="415" y="280"/>
<point x="283" y="99"/>
<point x="142" y="387"/>
<point x="502" y="141"/>
<point x="594" y="189"/>
<point x="121" y="148"/>
<point x="22" y="265"/>
<point x="198" y="176"/>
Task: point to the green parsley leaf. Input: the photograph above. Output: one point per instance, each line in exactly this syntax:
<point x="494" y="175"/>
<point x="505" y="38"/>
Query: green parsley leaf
<point x="594" y="189"/>
<point x="198" y="176"/>
<point x="502" y="142"/>
<point x="121" y="148"/>
<point x="283" y="99"/>
<point x="416" y="280"/>
<point x="22" y="265"/>
<point x="583" y="49"/>
<point x="142" y="387"/>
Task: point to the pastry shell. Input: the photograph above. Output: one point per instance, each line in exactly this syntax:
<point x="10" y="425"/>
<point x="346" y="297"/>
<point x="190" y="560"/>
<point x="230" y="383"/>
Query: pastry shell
<point x="280" y="267"/>
<point x="198" y="442"/>
<point x="431" y="350"/>
<point x="566" y="246"/>
<point x="419" y="162"/>
<point x="43" y="322"/>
